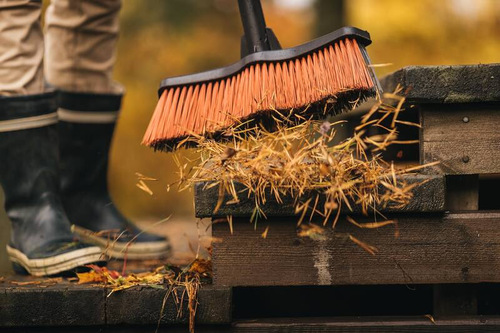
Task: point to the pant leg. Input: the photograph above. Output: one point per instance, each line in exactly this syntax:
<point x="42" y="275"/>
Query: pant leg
<point x="81" y="38"/>
<point x="21" y="48"/>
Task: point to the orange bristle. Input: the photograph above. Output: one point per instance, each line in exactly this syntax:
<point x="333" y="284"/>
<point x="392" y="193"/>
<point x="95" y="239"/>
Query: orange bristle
<point x="336" y="73"/>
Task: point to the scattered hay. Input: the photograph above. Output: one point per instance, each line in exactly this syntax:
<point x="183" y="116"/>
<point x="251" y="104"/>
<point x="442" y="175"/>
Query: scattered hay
<point x="178" y="283"/>
<point x="304" y="162"/>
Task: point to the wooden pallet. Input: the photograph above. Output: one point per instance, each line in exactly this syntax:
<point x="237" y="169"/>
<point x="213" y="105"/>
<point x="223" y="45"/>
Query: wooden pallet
<point x="445" y="241"/>
<point x="367" y="325"/>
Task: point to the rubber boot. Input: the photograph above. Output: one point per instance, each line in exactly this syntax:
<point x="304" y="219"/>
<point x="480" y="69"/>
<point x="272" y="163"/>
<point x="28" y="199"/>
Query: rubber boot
<point x="42" y="242"/>
<point x="86" y="126"/>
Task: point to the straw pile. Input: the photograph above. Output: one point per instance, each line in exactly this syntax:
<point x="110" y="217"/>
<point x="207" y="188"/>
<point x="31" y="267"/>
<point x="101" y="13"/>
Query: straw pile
<point x="302" y="159"/>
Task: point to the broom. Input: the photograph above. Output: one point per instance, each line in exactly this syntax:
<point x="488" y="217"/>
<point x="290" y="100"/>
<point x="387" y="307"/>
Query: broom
<point x="322" y="77"/>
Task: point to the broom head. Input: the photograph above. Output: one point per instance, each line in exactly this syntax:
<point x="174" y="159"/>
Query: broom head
<point x="322" y="77"/>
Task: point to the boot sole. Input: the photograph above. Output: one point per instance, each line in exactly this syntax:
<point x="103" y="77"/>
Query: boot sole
<point x="56" y="264"/>
<point x="121" y="250"/>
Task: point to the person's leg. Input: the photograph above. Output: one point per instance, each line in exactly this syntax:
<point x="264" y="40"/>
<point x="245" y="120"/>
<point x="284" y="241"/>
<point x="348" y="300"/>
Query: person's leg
<point x="21" y="48"/>
<point x="41" y="240"/>
<point x="81" y="39"/>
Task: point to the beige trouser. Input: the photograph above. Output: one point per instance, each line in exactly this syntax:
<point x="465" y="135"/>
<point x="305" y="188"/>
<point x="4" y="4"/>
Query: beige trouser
<point x="80" y="40"/>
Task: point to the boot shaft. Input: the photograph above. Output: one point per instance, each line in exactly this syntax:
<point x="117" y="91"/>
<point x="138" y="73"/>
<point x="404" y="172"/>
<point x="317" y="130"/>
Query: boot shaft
<point x="86" y="126"/>
<point x="28" y="147"/>
<point x="84" y="156"/>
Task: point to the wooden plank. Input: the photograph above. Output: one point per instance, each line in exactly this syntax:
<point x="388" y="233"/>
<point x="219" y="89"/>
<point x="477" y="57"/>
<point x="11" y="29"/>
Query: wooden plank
<point x="51" y="305"/>
<point x="447" y="84"/>
<point x="465" y="138"/>
<point x="460" y="122"/>
<point x="368" y="325"/>
<point x="464" y="158"/>
<point x="70" y="304"/>
<point x="451" y="248"/>
<point x="429" y="197"/>
<point x="420" y="324"/>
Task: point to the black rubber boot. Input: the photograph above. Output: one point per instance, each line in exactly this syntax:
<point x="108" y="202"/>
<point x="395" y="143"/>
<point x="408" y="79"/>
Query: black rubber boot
<point x="41" y="241"/>
<point x="86" y="128"/>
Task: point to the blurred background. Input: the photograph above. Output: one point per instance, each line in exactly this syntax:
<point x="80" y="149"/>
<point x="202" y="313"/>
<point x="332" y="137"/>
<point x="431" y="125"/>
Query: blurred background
<point x="175" y="37"/>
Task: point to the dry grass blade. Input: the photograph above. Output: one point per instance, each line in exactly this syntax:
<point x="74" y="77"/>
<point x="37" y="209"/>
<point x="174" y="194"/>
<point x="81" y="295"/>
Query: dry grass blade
<point x="264" y="234"/>
<point x="230" y="222"/>
<point x="370" y="225"/>
<point x="431" y="318"/>
<point x="140" y="176"/>
<point x="368" y="248"/>
<point x="142" y="185"/>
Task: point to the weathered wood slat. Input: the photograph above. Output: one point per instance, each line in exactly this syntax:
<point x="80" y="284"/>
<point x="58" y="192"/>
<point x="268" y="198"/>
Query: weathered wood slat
<point x="480" y="157"/>
<point x="369" y="325"/>
<point x="453" y="248"/>
<point x="447" y="84"/>
<point x="429" y="197"/>
<point x="52" y="305"/>
<point x="466" y="139"/>
<point x="68" y="304"/>
<point x="480" y="324"/>
<point x="460" y="122"/>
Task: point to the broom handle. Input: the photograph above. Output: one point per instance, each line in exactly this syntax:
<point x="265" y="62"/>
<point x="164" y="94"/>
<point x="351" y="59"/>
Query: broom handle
<point x="254" y="25"/>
